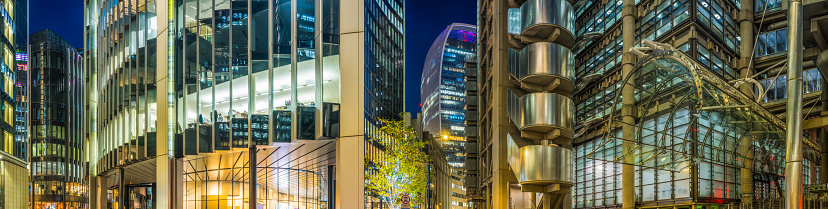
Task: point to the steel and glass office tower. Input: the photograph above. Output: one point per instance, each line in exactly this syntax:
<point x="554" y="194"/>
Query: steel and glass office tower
<point x="21" y="139"/>
<point x="21" y="98"/>
<point x="719" y="36"/>
<point x="714" y="37"/>
<point x="58" y="165"/>
<point x="443" y="88"/>
<point x="291" y="87"/>
<point x="443" y="98"/>
<point x="13" y="160"/>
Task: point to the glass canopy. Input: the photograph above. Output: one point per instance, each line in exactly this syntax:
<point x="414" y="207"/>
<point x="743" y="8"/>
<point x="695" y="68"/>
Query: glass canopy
<point x="688" y="115"/>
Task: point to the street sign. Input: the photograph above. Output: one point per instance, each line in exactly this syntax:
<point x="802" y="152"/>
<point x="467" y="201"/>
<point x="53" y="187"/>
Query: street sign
<point x="405" y="200"/>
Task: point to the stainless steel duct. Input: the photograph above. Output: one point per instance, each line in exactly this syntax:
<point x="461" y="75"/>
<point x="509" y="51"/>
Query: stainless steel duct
<point x="543" y="110"/>
<point x="821" y="63"/>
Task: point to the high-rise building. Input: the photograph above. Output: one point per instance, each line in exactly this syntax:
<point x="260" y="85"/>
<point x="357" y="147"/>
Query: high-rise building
<point x="443" y="98"/>
<point x="21" y="100"/>
<point x="666" y="97"/>
<point x="58" y="163"/>
<point x="186" y="95"/>
<point x="14" y="190"/>
<point x="443" y="88"/>
<point x="21" y="139"/>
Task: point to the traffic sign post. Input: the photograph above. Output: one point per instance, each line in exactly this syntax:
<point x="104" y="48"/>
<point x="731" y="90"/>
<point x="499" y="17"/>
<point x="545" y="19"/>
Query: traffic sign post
<point x="405" y="200"/>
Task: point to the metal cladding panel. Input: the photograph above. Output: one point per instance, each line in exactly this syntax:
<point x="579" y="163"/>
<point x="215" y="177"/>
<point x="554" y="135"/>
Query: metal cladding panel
<point x="544" y="58"/>
<point x="471" y="147"/>
<point x="545" y="12"/>
<point x="543" y="164"/>
<point x="546" y="109"/>
<point x="470" y="164"/>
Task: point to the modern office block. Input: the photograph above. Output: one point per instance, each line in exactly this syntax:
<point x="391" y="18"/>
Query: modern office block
<point x="21" y="139"/>
<point x="443" y="87"/>
<point x="14" y="184"/>
<point x="189" y="95"/>
<point x="626" y="107"/>
<point x="58" y="164"/>
<point x="443" y="99"/>
<point x="21" y="106"/>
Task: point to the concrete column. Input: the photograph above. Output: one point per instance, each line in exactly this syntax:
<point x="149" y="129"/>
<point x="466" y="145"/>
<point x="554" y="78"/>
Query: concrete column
<point x="793" y="140"/>
<point x="350" y="173"/>
<point x="97" y="192"/>
<point x="746" y="71"/>
<point x="502" y="174"/>
<point x="350" y="148"/>
<point x="318" y="85"/>
<point x="628" y="103"/>
<point x="163" y="163"/>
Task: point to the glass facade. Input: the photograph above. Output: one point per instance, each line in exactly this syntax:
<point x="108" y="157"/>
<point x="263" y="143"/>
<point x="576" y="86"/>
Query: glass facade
<point x="237" y="75"/>
<point x="58" y="161"/>
<point x="21" y="145"/>
<point x="21" y="106"/>
<point x="683" y="152"/>
<point x="227" y="81"/>
<point x="384" y="59"/>
<point x="8" y="64"/>
<point x="774" y="88"/>
<point x="221" y="180"/>
<point x="772" y="43"/>
<point x="443" y="89"/>
<point x="14" y="176"/>
<point x="712" y="42"/>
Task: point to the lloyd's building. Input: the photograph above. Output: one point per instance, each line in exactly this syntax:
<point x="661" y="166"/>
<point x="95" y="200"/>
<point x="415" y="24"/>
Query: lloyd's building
<point x="238" y="104"/>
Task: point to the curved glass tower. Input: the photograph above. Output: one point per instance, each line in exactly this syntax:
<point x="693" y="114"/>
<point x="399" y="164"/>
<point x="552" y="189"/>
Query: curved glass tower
<point x="240" y="97"/>
<point x="443" y="88"/>
<point x="56" y="108"/>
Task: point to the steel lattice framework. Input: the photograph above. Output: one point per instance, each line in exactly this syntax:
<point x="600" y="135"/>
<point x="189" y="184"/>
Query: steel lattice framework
<point x="707" y="120"/>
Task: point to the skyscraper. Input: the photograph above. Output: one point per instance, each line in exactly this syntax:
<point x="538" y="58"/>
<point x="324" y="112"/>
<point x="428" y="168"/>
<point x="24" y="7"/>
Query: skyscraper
<point x="292" y="87"/>
<point x="443" y="88"/>
<point x="58" y="162"/>
<point x="443" y="97"/>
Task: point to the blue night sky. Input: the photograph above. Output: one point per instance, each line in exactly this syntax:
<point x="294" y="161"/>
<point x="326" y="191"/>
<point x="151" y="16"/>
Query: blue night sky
<point x="425" y="19"/>
<point x="64" y="17"/>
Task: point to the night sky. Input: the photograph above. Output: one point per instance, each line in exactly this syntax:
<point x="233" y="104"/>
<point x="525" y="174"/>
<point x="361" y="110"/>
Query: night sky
<point x="425" y="19"/>
<point x="64" y="17"/>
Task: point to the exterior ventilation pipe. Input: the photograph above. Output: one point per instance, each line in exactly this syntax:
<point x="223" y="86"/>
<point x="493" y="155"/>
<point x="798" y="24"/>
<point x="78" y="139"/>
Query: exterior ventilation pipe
<point x="821" y="63"/>
<point x="541" y="105"/>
